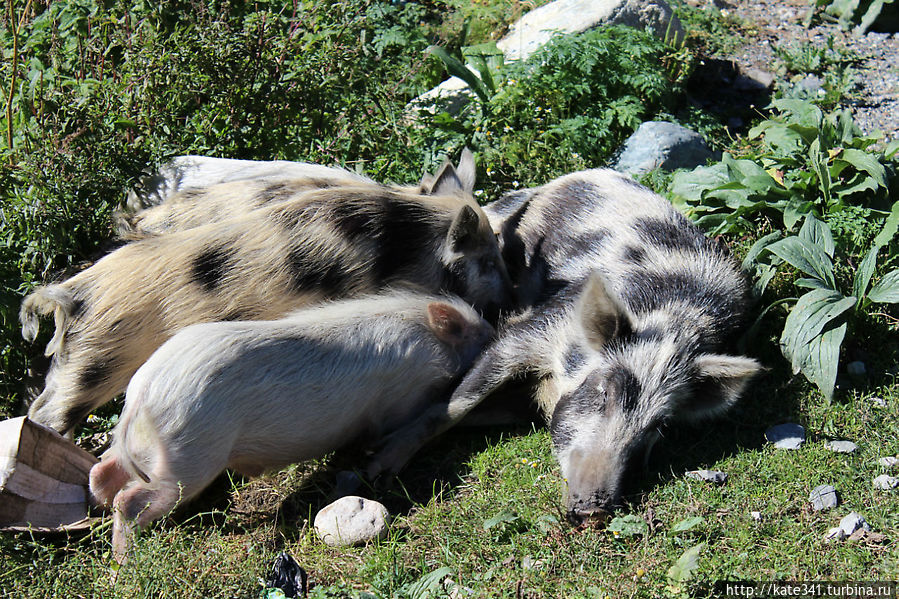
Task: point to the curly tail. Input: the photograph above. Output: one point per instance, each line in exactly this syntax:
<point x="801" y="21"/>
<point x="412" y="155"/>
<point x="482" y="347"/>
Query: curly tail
<point x="52" y="298"/>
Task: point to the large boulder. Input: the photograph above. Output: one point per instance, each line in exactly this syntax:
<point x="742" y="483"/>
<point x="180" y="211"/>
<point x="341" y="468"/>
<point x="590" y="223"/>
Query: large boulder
<point x="660" y="144"/>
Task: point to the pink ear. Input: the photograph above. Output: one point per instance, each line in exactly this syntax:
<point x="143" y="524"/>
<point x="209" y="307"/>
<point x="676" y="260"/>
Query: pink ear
<point x="447" y="323"/>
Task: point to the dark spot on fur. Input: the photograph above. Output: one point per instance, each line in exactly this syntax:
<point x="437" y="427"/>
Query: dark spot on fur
<point x="671" y="235"/>
<point x="96" y="372"/>
<point x="634" y="255"/>
<point x="454" y="279"/>
<point x="295" y="214"/>
<point x="276" y="192"/>
<point x="572" y="408"/>
<point x="210" y="266"/>
<point x="309" y="273"/>
<point x="568" y="247"/>
<point x="238" y="315"/>
<point x="631" y="183"/>
<point x="647" y="291"/>
<point x="625" y="388"/>
<point x="408" y="231"/>
<point x="573" y="359"/>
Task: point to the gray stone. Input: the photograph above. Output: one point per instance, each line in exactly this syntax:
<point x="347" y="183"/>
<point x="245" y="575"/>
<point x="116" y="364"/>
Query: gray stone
<point x="712" y="476"/>
<point x="841" y="446"/>
<point x="856" y="368"/>
<point x="885" y="482"/>
<point x="786" y="436"/>
<point x="888" y="462"/>
<point x="811" y="83"/>
<point x="853" y="522"/>
<point x="823" y="497"/>
<point x="660" y="144"/>
<point x="351" y="520"/>
<point x="835" y="534"/>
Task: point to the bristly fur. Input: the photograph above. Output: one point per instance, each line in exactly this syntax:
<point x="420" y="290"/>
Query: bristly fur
<point x="259" y="265"/>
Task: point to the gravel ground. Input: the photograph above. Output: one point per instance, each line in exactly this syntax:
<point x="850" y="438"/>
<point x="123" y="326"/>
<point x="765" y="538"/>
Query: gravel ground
<point x="875" y="101"/>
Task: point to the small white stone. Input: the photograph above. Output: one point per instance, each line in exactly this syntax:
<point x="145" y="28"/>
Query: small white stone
<point x="854" y="521"/>
<point x="885" y="482"/>
<point x="841" y="446"/>
<point x="351" y="520"/>
<point x="835" y="534"/>
<point x="879" y="402"/>
<point x="712" y="476"/>
<point x="889" y="461"/>
<point x="757" y="516"/>
<point x="786" y="436"/>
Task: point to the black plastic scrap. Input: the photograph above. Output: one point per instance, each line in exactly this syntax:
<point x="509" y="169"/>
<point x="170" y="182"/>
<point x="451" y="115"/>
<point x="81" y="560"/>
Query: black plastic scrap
<point x="288" y="576"/>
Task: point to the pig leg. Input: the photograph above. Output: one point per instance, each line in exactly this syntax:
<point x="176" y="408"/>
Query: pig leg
<point x="135" y="507"/>
<point x="505" y="359"/>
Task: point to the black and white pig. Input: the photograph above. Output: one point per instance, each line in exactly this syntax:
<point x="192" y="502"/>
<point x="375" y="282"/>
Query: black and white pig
<point x="323" y="244"/>
<point x="627" y="312"/>
<point x="255" y="395"/>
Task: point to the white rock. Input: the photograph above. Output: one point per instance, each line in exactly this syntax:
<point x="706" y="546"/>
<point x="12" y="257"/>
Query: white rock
<point x="533" y="30"/>
<point x="853" y="522"/>
<point x="841" y="446"/>
<point x="712" y="476"/>
<point x="351" y="520"/>
<point x="786" y="436"/>
<point x="757" y="516"/>
<point x="885" y="482"/>
<point x="879" y="402"/>
<point x="835" y="534"/>
<point x="889" y="461"/>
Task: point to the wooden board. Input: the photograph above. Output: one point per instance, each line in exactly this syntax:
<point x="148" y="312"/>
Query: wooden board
<point x="43" y="479"/>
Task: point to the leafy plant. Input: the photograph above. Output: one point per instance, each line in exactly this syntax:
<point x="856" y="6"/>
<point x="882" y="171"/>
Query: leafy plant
<point x="569" y="105"/>
<point x="816" y="326"/>
<point x="863" y="13"/>
<point x="803" y="161"/>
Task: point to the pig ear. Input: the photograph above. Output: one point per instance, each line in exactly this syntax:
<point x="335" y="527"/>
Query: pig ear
<point x="722" y="379"/>
<point x="448" y="179"/>
<point x="464" y="230"/>
<point x="601" y="315"/>
<point x="447" y="323"/>
<point x="466" y="171"/>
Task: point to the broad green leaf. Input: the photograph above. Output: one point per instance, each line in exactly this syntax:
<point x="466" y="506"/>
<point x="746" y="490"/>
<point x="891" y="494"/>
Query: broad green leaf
<point x="810" y="284"/>
<point x="455" y="67"/>
<point x="425" y="586"/>
<point x="810" y="259"/>
<point x="505" y="516"/>
<point x="757" y="248"/>
<point x="886" y="291"/>
<point x="805" y="113"/>
<point x="822" y="360"/>
<point x="687" y="524"/>
<point x="864" y="273"/>
<point x="627" y="526"/>
<point x="811" y="314"/>
<point x="691" y="184"/>
<point x="686" y="564"/>
<point x="817" y="233"/>
<point x="865" y="162"/>
<point x="891" y="149"/>
<point x="890" y="226"/>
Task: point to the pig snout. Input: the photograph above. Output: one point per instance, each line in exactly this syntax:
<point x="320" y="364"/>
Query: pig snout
<point x="594" y="481"/>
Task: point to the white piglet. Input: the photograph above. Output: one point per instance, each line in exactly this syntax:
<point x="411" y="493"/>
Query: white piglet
<point x="255" y="395"/>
